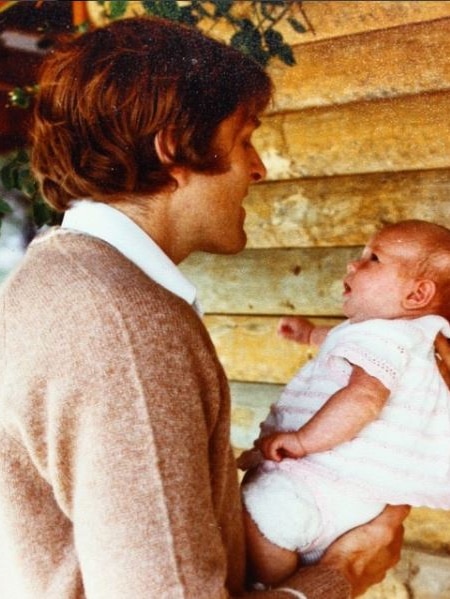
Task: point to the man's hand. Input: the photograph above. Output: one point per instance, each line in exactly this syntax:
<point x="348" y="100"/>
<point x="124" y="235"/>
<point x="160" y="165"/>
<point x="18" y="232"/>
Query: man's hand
<point x="364" y="554"/>
<point x="281" y="445"/>
<point x="249" y="459"/>
<point x="442" y="348"/>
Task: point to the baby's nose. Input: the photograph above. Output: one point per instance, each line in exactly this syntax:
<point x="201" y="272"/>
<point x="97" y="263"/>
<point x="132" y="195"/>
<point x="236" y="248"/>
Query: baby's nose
<point x="352" y="266"/>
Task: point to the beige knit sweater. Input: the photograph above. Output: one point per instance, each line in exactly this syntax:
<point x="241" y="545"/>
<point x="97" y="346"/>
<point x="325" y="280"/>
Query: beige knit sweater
<point x="117" y="479"/>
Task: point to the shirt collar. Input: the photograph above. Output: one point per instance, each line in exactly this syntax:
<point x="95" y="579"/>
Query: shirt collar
<point x="113" y="226"/>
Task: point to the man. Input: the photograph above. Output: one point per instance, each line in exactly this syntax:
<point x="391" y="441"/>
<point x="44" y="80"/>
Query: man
<point x="117" y="477"/>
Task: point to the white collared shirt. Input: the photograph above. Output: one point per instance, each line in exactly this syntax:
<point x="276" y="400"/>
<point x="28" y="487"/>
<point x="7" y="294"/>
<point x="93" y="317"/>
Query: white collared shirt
<point x="113" y="226"/>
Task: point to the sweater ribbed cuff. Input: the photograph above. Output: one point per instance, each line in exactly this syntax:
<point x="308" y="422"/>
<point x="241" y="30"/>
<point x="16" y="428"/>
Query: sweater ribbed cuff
<point x="319" y="582"/>
<point x="293" y="592"/>
<point x="312" y="582"/>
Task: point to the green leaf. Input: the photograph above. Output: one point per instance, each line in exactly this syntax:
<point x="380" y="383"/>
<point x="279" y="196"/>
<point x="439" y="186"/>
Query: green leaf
<point x="286" y="55"/>
<point x="296" y="25"/>
<point x="42" y="213"/>
<point x="117" y="8"/>
<point x="20" y="97"/>
<point x="16" y="173"/>
<point x="167" y="9"/>
<point x="5" y="208"/>
<point x="197" y="6"/>
<point x="188" y="17"/>
<point x="249" y="41"/>
<point x="8" y="175"/>
<point x="277" y="47"/>
<point x="149" y="6"/>
<point x="170" y="10"/>
<point x="246" y="25"/>
<point x="26" y="182"/>
<point x="274" y="40"/>
<point x="22" y="157"/>
<point x="83" y="27"/>
<point x="222" y="7"/>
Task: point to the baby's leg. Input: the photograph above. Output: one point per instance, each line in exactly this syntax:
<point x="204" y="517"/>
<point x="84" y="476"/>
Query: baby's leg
<point x="268" y="563"/>
<point x="291" y="513"/>
<point x="281" y="519"/>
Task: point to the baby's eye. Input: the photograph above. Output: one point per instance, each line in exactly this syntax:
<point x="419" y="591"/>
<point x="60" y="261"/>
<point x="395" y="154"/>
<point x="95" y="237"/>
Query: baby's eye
<point x="373" y="257"/>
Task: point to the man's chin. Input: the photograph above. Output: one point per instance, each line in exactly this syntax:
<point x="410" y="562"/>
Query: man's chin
<point x="231" y="248"/>
<point x="239" y="246"/>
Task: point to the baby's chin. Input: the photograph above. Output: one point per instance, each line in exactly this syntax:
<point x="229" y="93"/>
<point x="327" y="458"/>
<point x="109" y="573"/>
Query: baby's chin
<point x="363" y="317"/>
<point x="355" y="319"/>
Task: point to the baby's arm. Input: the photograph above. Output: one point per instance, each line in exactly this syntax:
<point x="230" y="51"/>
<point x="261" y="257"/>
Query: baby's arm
<point x="339" y="420"/>
<point x="301" y="330"/>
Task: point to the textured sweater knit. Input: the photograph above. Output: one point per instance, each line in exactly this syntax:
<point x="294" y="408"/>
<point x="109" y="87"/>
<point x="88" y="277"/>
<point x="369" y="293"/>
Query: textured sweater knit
<point x="117" y="479"/>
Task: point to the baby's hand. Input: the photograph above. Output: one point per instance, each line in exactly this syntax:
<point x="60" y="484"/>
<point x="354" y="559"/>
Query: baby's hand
<point x="281" y="445"/>
<point x="295" y="328"/>
<point x="249" y="459"/>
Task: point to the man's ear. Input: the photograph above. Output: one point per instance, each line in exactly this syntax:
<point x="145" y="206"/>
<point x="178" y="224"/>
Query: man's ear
<point x="420" y="295"/>
<point x="165" y="150"/>
<point x="165" y="145"/>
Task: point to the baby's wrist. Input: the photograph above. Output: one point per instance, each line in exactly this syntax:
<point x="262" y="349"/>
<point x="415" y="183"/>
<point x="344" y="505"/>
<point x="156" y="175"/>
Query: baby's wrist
<point x="303" y="452"/>
<point x="318" y="334"/>
<point x="308" y="333"/>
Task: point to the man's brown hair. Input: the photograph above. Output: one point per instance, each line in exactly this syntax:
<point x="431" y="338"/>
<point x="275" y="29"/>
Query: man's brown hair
<point x="104" y="96"/>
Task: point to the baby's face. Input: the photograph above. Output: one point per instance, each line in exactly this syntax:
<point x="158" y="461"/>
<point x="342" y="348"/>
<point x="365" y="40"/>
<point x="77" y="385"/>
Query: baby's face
<point x="377" y="283"/>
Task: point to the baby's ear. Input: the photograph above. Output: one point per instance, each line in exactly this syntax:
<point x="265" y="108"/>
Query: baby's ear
<point x="420" y="295"/>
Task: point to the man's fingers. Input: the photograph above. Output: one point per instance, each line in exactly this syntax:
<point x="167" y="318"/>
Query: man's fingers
<point x="394" y="514"/>
<point x="442" y="349"/>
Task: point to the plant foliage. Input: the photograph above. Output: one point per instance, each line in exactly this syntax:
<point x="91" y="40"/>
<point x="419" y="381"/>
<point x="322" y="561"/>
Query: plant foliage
<point x="16" y="175"/>
<point x="253" y="22"/>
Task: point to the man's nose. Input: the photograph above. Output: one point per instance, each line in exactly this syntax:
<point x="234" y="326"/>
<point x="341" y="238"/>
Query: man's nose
<point x="258" y="170"/>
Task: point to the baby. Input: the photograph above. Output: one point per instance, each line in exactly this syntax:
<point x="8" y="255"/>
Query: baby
<point x="367" y="422"/>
